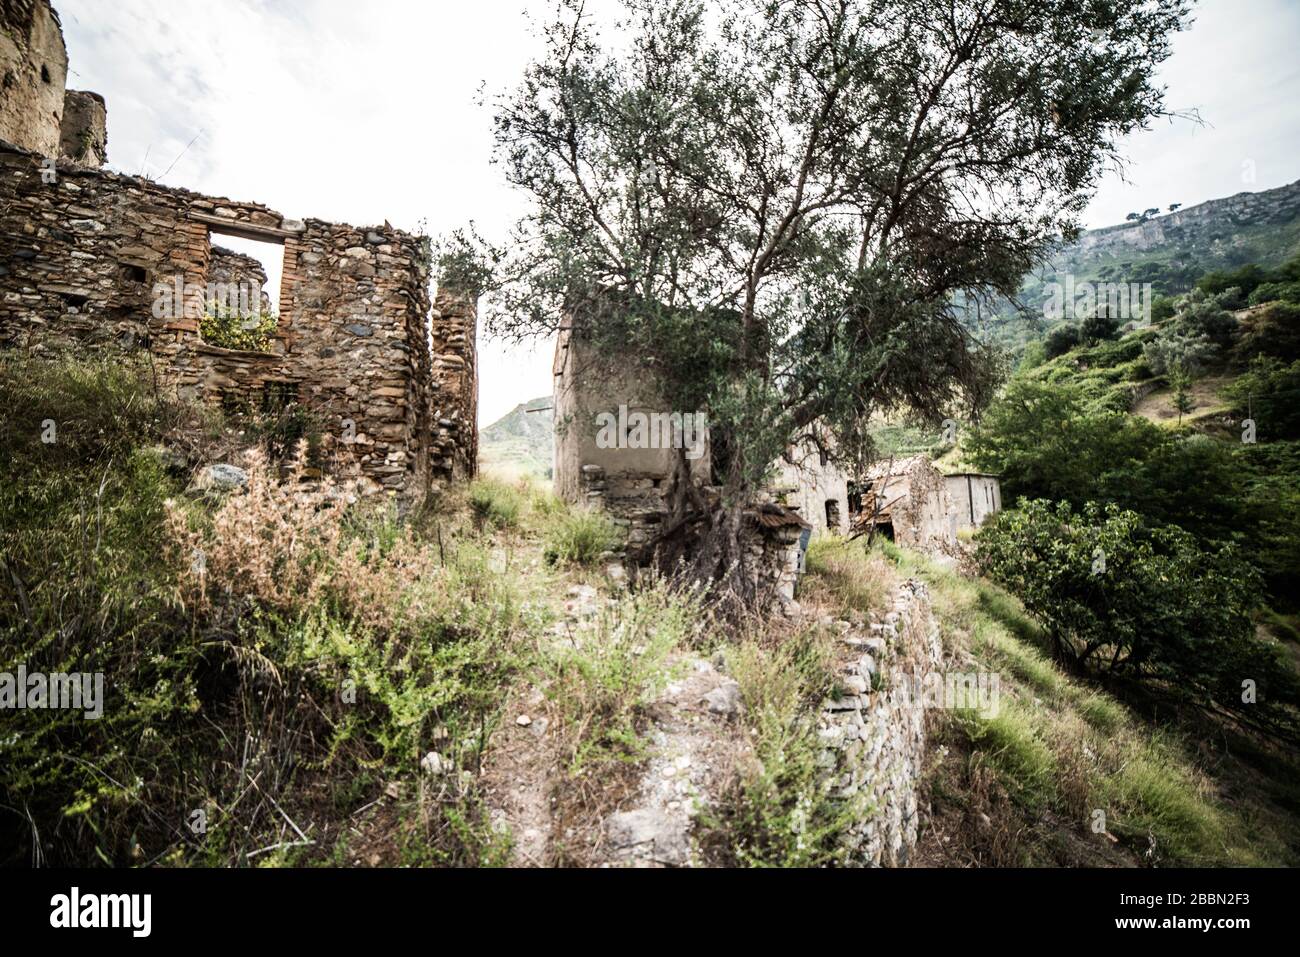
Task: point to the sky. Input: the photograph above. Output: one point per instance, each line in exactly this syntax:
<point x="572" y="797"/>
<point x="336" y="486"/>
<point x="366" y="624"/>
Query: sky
<point x="361" y="111"/>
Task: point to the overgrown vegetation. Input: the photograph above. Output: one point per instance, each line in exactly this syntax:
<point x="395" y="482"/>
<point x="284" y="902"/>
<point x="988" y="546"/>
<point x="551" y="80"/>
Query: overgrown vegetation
<point x="579" y="536"/>
<point x="231" y="328"/>
<point x="1121" y="599"/>
<point x="778" y="812"/>
<point x="281" y="661"/>
<point x="1064" y="774"/>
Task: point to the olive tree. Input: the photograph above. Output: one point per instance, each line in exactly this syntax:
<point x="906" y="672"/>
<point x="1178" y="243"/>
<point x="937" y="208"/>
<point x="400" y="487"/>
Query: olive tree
<point x="779" y="208"/>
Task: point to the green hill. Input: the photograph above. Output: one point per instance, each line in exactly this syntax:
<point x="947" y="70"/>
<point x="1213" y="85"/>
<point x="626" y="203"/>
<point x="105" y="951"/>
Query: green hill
<point x="521" y="441"/>
<point x="1170" y="250"/>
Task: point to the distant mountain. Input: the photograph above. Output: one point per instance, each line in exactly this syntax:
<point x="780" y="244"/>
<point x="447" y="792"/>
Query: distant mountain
<point x="1170" y="250"/>
<point x="521" y="441"/>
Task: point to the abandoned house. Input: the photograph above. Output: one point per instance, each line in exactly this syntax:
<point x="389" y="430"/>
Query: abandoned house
<point x="976" y="496"/>
<point x="632" y="480"/>
<point x="907" y="501"/>
<point x="93" y="258"/>
<point x="818" y="489"/>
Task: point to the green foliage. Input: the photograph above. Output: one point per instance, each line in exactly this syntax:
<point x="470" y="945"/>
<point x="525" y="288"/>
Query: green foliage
<point x="1119" y="596"/>
<point x="1288" y="292"/>
<point x="1174" y="349"/>
<point x="1098" y="328"/>
<point x="1061" y="340"/>
<point x="1045" y="442"/>
<point x="779" y="813"/>
<point x="1244" y="279"/>
<point x="603" y="681"/>
<point x="228" y="328"/>
<point x="1274" y="331"/>
<point x="1179" y="381"/>
<point x="1271" y="477"/>
<point x="1162" y="309"/>
<point x="1268" y="391"/>
<point x="496" y="502"/>
<point x="1061" y="749"/>
<point x="579" y="537"/>
<point x="196" y="701"/>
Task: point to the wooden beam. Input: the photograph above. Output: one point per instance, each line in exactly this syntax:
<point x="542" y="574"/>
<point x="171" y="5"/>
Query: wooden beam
<point x="246" y="230"/>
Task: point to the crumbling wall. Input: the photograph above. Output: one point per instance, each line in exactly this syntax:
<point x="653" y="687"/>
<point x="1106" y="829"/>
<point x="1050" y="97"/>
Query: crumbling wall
<point x="239" y="279"/>
<point x="83" y="134"/>
<point x="807" y="483"/>
<point x="453" y="331"/>
<point x="873" y="736"/>
<point x="90" y="258"/>
<point x="911" y="496"/>
<point x="586" y="385"/>
<point x="33" y="74"/>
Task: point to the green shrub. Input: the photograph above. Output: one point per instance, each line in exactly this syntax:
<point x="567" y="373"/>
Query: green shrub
<point x="1120" y="597"/>
<point x="496" y="502"/>
<point x="226" y="328"/>
<point x="1268" y="392"/>
<point x="579" y="537"/>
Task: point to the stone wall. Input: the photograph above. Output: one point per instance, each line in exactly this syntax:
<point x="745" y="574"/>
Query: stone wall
<point x="911" y="497"/>
<point x="94" y="258"/>
<point x="807" y="483"/>
<point x="33" y="74"/>
<point x="874" y="737"/>
<point x="240" y="277"/>
<point x="83" y="134"/>
<point x="453" y="331"/>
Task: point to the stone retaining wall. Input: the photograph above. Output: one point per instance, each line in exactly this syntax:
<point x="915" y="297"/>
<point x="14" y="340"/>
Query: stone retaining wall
<point x="874" y="736"/>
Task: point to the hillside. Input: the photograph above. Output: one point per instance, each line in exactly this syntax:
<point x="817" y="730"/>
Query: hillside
<point x="1171" y="250"/>
<point x="521" y="441"/>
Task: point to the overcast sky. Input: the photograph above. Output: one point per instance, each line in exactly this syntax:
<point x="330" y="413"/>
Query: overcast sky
<point x="364" y="110"/>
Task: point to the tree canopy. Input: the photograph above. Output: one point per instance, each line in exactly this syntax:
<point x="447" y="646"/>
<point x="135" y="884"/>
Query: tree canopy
<point x="779" y="207"/>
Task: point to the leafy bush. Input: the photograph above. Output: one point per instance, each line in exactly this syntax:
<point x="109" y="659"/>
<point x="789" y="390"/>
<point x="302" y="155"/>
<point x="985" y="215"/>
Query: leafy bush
<point x="1175" y="349"/>
<point x="1244" y="279"/>
<point x="1118" y="596"/>
<point x="579" y="537"/>
<point x="1268" y="392"/>
<point x="1276" y="291"/>
<point x="1061" y="340"/>
<point x="1098" y="328"/>
<point x="496" y="502"/>
<point x="1274" y="331"/>
<point x="227" y="328"/>
<point x="1045" y="442"/>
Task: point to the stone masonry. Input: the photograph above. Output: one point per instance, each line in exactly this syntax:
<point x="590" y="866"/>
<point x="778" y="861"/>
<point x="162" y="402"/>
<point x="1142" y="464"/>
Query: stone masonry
<point x="93" y="259"/>
<point x="873" y="736"/>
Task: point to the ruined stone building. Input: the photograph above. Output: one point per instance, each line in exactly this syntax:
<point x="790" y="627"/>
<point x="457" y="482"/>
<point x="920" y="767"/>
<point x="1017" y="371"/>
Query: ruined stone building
<point x="975" y="495"/>
<point x="91" y="258"/>
<point x="632" y="480"/>
<point x="818" y="489"/>
<point x="907" y="500"/>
